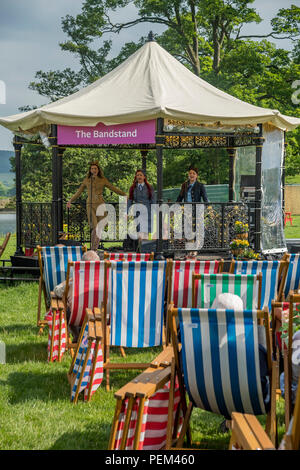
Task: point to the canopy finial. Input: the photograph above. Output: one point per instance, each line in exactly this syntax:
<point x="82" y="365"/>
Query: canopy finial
<point x="151" y="36"/>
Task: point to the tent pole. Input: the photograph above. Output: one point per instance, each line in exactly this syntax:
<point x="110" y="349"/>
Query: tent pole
<point x="60" y="210"/>
<point x="159" y="155"/>
<point x="18" y="148"/>
<point x="283" y="177"/>
<point x="54" y="209"/>
<point x="232" y="156"/>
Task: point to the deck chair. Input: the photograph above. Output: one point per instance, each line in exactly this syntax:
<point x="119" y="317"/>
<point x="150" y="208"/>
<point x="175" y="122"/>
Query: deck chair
<point x="53" y="263"/>
<point x="285" y="347"/>
<point x="180" y="282"/>
<point x="292" y="281"/>
<point x="248" y="434"/>
<point x="57" y="340"/>
<point x="273" y="277"/>
<point x="135" y="309"/>
<point x="86" y="371"/>
<point x="217" y="361"/>
<point x="144" y="406"/>
<point x="206" y="288"/>
<point x="86" y="289"/>
<point x="129" y="256"/>
<point x="4" y="244"/>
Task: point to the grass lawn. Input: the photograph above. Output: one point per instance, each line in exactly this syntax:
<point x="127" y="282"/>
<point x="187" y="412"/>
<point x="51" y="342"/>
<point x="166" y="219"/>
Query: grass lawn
<point x="35" y="408"/>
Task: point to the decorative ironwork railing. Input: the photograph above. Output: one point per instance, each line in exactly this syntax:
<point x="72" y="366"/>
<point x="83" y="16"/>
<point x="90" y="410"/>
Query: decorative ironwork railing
<point x="216" y="223"/>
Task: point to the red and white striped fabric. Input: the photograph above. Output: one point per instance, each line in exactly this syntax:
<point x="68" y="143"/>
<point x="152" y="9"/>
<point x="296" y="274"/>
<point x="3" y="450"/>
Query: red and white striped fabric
<point x="129" y="256"/>
<point x="55" y="354"/>
<point x="154" y="424"/>
<point x="181" y="286"/>
<point x="97" y="355"/>
<point x="87" y="288"/>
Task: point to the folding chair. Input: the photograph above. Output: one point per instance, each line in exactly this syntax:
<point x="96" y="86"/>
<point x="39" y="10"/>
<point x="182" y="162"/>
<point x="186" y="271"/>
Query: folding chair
<point x="206" y="288"/>
<point x="87" y="285"/>
<point x="129" y="256"/>
<point x="217" y="362"/>
<point x="57" y="340"/>
<point x="180" y="282"/>
<point x="86" y="371"/>
<point x="273" y="277"/>
<point x="292" y="281"/>
<point x="135" y="309"/>
<point x="285" y="346"/>
<point x="248" y="434"/>
<point x="53" y="263"/>
<point x="144" y="407"/>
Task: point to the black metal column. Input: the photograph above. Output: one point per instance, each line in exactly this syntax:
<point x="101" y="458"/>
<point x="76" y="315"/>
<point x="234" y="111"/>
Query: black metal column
<point x="258" y="190"/>
<point x="232" y="156"/>
<point x="144" y="154"/>
<point x="159" y="155"/>
<point x="18" y="148"/>
<point x="60" y="209"/>
<point x="55" y="185"/>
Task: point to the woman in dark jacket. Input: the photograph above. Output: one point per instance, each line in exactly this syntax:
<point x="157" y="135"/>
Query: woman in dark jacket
<point x="192" y="190"/>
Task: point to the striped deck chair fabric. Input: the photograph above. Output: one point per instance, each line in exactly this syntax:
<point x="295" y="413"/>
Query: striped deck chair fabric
<point x="292" y="281"/>
<point x="87" y="288"/>
<point x="87" y="359"/>
<point x="55" y="259"/>
<point x="209" y="286"/>
<point x="155" y="420"/>
<point x="181" y="284"/>
<point x="270" y="277"/>
<point x="220" y="357"/>
<point x="59" y="335"/>
<point x="129" y="256"/>
<point x="137" y="303"/>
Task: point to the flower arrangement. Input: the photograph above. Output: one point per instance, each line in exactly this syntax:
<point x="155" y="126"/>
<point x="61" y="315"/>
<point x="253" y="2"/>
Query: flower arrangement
<point x="238" y="244"/>
<point x="240" y="227"/>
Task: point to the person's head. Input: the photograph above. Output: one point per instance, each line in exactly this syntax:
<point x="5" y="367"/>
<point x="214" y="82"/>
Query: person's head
<point x="90" y="255"/>
<point x="193" y="173"/>
<point x="95" y="170"/>
<point x="139" y="178"/>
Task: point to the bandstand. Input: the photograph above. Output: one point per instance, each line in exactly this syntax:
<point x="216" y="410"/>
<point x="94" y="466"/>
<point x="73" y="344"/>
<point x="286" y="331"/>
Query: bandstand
<point x="166" y="107"/>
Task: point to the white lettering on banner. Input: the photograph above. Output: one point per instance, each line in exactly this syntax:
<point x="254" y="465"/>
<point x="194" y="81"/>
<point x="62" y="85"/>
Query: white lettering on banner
<point x="113" y="134"/>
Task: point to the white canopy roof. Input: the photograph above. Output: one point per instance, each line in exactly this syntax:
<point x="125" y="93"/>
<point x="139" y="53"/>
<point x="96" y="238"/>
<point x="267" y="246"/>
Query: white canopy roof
<point x="149" y="84"/>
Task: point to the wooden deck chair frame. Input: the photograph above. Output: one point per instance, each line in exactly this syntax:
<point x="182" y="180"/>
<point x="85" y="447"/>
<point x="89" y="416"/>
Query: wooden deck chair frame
<point x="93" y="318"/>
<point x="106" y="255"/>
<point x="287" y="257"/>
<point x="4" y="244"/>
<point x="248" y="434"/>
<point x="271" y="427"/>
<point x="287" y="354"/>
<point x="169" y="293"/>
<point x="142" y="387"/>
<point x="196" y="277"/>
<point x="42" y="290"/>
<point x="57" y="307"/>
<point x="282" y="273"/>
<point x="108" y="365"/>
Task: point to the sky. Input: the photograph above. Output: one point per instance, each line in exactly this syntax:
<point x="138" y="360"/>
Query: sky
<point x="30" y="33"/>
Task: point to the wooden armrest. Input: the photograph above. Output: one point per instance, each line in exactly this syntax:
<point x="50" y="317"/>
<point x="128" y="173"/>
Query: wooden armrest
<point x="248" y="434"/>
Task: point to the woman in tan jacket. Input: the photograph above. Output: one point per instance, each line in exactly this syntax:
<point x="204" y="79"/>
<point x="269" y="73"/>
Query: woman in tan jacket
<point x="94" y="183"/>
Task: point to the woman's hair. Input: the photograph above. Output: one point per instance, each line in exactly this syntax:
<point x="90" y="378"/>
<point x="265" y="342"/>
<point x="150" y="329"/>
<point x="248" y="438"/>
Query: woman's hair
<point x="131" y="189"/>
<point x="194" y="168"/>
<point x="100" y="171"/>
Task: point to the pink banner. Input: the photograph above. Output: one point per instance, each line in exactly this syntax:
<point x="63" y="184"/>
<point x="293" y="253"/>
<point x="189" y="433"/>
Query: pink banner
<point x="133" y="133"/>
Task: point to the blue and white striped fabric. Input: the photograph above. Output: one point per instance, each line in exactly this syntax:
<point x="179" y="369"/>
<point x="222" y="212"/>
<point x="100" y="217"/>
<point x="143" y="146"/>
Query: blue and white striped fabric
<point x="137" y="303"/>
<point x="293" y="275"/>
<point x="79" y="363"/>
<point x="55" y="260"/>
<point x="270" y="277"/>
<point x="220" y="357"/>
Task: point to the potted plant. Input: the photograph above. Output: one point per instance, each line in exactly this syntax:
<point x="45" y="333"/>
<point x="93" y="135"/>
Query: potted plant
<point x="241" y="230"/>
<point x="238" y="246"/>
